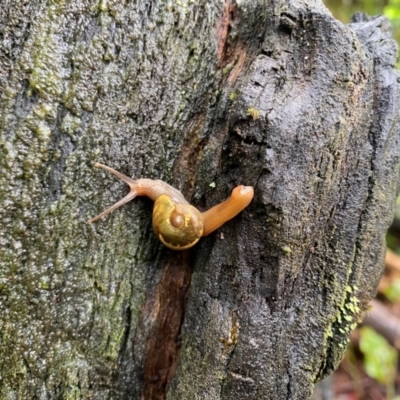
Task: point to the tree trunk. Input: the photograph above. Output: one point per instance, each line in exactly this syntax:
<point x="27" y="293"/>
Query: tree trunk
<point x="205" y="96"/>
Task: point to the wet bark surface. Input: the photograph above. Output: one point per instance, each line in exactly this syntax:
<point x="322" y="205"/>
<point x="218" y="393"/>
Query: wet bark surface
<point x="205" y="96"/>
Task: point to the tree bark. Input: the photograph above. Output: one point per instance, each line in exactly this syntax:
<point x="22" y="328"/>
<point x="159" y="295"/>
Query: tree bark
<point x="203" y="95"/>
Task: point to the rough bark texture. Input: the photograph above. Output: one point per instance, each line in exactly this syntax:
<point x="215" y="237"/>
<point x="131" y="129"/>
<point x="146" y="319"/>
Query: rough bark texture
<point x="274" y="94"/>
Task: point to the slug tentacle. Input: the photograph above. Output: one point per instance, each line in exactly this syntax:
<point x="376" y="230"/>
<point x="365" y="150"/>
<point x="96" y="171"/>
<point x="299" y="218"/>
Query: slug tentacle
<point x="123" y="177"/>
<point x="177" y="224"/>
<point x="131" y="195"/>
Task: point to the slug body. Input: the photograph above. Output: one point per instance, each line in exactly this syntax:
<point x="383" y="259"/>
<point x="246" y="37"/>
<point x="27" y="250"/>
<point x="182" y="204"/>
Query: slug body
<point x="177" y="224"/>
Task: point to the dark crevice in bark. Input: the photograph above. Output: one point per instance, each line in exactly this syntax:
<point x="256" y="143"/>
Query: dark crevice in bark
<point x="191" y="152"/>
<point x="224" y="29"/>
<point x="162" y="348"/>
<point x="60" y="147"/>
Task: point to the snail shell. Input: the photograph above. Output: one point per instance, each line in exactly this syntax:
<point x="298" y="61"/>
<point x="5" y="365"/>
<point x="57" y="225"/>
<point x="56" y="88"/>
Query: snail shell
<point x="178" y="226"/>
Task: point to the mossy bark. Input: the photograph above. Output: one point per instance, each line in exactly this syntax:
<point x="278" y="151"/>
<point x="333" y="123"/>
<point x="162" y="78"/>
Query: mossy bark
<point x="204" y="95"/>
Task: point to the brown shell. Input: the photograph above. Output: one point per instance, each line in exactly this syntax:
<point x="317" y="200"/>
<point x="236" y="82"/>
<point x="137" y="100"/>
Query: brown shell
<point x="186" y="218"/>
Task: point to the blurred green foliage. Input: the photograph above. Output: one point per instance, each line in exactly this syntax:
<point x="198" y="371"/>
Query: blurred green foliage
<point x="392" y="10"/>
<point x="344" y="9"/>
<point x="380" y="358"/>
<point x="392" y="291"/>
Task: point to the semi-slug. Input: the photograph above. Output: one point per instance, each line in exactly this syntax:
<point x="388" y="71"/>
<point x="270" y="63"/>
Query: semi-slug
<point x="177" y="224"/>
